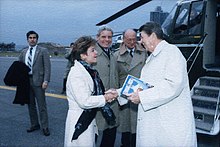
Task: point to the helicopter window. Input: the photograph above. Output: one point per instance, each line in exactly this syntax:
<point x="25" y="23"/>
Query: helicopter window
<point x="166" y="26"/>
<point x="195" y="18"/>
<point x="189" y="19"/>
<point x="182" y="16"/>
<point x="181" y="21"/>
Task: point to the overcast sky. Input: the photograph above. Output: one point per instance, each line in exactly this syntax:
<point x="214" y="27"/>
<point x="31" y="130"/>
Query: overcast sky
<point x="62" y="21"/>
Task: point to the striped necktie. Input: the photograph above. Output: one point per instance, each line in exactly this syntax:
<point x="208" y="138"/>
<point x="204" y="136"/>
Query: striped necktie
<point x="30" y="58"/>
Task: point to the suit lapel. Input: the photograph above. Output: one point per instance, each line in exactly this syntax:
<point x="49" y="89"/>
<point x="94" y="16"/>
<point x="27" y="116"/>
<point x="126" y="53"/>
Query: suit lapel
<point x="36" y="54"/>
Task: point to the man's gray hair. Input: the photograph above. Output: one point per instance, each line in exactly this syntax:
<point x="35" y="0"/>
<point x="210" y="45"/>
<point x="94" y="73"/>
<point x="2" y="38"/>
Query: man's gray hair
<point x="104" y="28"/>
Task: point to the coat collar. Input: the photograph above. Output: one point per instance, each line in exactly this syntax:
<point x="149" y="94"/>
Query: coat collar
<point x="137" y="58"/>
<point x="123" y="48"/>
<point x="159" y="47"/>
<point x="157" y="50"/>
<point x="86" y="74"/>
<point x="100" y="51"/>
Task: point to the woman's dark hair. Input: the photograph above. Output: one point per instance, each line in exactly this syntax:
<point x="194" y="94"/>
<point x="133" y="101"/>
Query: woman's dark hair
<point x="81" y="46"/>
<point x="152" y="27"/>
<point x="32" y="32"/>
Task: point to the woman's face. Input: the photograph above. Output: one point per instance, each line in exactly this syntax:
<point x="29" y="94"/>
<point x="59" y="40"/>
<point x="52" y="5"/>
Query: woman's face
<point x="91" y="55"/>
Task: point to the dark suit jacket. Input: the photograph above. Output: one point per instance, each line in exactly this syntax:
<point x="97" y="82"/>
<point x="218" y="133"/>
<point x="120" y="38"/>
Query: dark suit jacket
<point x="17" y="75"/>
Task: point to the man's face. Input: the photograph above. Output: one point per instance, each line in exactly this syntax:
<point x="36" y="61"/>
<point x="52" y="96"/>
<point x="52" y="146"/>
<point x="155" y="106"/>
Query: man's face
<point x="32" y="39"/>
<point x="146" y="41"/>
<point x="105" y="39"/>
<point x="130" y="40"/>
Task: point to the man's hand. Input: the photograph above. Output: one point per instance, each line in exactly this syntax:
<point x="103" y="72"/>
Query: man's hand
<point x="45" y="85"/>
<point x="111" y="95"/>
<point x="134" y="98"/>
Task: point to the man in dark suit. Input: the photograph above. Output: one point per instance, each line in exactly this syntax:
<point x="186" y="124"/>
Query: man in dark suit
<point x="38" y="60"/>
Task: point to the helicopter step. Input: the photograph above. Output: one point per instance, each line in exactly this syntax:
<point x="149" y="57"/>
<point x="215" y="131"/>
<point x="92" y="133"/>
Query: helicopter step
<point x="205" y="97"/>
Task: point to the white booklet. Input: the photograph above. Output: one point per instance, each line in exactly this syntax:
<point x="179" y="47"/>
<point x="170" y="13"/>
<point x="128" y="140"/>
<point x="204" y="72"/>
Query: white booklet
<point x="133" y="84"/>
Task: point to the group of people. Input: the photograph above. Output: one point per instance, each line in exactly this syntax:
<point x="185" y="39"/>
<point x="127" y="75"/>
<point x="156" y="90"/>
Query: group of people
<point x="158" y="116"/>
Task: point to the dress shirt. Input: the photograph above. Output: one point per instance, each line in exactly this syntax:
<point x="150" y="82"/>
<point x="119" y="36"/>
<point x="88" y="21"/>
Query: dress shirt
<point x="27" y="54"/>
<point x="129" y="50"/>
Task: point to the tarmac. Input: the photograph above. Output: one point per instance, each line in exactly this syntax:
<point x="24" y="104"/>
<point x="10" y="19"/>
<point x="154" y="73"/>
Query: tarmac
<point x="14" y="119"/>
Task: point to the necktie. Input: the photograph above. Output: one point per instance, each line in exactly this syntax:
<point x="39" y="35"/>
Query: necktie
<point x="107" y="52"/>
<point x="131" y="53"/>
<point x="30" y="58"/>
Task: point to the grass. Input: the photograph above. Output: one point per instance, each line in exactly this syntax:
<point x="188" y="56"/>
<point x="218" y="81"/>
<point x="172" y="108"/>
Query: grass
<point x="9" y="54"/>
<point x="16" y="54"/>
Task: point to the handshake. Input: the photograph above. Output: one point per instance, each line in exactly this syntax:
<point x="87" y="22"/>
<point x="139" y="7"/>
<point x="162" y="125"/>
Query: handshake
<point x="110" y="95"/>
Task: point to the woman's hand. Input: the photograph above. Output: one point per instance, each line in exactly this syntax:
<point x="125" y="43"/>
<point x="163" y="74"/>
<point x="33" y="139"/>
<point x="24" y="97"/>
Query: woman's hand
<point x="110" y="95"/>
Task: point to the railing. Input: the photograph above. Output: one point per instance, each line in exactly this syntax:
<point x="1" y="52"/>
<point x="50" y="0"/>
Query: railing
<point x="198" y="47"/>
<point x="217" y="114"/>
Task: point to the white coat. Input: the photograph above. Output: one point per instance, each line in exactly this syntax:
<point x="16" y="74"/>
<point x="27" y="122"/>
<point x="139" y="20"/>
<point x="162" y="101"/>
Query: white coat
<point x="79" y="90"/>
<point x="165" y="113"/>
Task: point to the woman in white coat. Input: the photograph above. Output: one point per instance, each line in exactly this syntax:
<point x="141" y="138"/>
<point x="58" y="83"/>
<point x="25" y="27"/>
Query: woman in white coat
<point x="165" y="112"/>
<point x="83" y="92"/>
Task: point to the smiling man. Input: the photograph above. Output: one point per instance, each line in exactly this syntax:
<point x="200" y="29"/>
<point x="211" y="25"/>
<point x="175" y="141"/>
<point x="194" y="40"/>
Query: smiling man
<point x="106" y="66"/>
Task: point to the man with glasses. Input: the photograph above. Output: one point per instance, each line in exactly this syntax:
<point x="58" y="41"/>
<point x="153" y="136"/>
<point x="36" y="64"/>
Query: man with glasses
<point x="130" y="59"/>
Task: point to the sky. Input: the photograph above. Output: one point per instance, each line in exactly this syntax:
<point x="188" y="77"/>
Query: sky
<point x="63" y="21"/>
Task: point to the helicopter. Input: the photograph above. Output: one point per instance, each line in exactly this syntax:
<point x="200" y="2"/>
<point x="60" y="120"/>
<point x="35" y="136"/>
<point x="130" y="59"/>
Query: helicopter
<point x="193" y="26"/>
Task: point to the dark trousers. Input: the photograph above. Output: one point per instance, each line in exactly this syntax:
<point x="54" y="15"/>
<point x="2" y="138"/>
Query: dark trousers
<point x="128" y="139"/>
<point x="64" y="84"/>
<point x="108" y="138"/>
<point x="37" y="102"/>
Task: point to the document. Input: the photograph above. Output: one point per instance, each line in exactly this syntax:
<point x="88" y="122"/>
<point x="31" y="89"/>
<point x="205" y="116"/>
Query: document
<point x="133" y="84"/>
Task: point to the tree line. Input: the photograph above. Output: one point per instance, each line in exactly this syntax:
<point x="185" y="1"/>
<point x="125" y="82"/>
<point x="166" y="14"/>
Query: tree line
<point x="7" y="46"/>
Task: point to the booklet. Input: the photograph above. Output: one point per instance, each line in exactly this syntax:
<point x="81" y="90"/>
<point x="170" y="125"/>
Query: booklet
<point x="133" y="84"/>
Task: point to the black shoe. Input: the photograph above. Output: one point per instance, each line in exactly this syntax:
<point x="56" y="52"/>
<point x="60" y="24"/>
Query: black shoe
<point x="32" y="129"/>
<point x="46" y="132"/>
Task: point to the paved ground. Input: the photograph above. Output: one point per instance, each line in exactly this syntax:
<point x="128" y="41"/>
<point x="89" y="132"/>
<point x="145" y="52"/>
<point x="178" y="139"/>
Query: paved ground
<point x="14" y="119"/>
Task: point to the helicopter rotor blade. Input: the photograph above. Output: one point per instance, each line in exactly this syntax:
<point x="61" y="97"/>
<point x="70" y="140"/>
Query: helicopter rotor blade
<point x="123" y="11"/>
